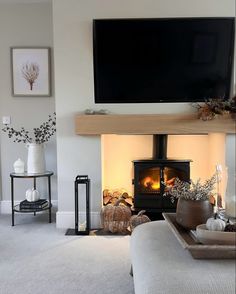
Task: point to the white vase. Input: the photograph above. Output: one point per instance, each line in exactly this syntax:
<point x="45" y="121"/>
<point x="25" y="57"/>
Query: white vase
<point x="36" y="159"/>
<point x="19" y="166"/>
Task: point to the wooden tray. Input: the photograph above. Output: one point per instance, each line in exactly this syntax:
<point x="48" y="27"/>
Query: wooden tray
<point x="198" y="250"/>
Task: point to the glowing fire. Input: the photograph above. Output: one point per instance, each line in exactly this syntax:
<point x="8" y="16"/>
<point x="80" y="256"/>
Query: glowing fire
<point x="152" y="184"/>
<point x="148" y="182"/>
<point x="156" y="185"/>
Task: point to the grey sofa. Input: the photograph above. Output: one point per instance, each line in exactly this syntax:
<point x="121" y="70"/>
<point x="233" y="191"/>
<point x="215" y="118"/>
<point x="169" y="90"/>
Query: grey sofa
<point x="162" y="266"/>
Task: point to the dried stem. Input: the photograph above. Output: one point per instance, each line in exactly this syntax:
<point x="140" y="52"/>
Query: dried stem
<point x="41" y="135"/>
<point x="191" y="190"/>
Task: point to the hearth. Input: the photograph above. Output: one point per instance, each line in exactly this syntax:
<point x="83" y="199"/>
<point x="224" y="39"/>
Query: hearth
<point x="151" y="176"/>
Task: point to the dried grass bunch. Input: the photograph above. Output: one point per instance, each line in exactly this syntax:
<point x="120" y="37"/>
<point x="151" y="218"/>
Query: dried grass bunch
<point x="42" y="134"/>
<point x="214" y="107"/>
<point x="191" y="190"/>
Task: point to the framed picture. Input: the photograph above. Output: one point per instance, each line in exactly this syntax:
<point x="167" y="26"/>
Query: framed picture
<point x="30" y="67"/>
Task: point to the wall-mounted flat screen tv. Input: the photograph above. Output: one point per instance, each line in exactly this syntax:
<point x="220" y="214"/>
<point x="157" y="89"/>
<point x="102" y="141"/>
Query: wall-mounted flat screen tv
<point x="162" y="60"/>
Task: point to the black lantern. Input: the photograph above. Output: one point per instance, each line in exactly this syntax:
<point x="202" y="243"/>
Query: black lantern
<point x="81" y="179"/>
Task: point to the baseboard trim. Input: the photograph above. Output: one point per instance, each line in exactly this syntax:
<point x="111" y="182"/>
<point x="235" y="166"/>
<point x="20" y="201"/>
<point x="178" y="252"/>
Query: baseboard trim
<point x="66" y="219"/>
<point x="5" y="206"/>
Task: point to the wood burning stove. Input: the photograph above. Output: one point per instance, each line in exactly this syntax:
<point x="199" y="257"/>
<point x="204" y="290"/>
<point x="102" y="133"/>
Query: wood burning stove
<point x="151" y="176"/>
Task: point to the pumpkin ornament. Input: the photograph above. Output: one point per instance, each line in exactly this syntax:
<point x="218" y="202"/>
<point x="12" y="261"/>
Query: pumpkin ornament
<point x="138" y="219"/>
<point x="32" y="195"/>
<point x="215" y="224"/>
<point x="115" y="218"/>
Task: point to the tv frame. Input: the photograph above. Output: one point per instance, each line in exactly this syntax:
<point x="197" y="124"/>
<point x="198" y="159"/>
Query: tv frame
<point x="230" y="67"/>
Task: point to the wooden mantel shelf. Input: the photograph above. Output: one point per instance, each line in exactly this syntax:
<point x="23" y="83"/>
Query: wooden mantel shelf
<point x="144" y="124"/>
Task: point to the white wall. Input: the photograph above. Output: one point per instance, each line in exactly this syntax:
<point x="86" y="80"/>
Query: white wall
<point x="230" y="164"/>
<point x="74" y="82"/>
<point x="23" y="25"/>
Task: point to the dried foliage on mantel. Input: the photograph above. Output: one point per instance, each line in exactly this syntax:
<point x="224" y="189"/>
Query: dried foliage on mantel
<point x="146" y="124"/>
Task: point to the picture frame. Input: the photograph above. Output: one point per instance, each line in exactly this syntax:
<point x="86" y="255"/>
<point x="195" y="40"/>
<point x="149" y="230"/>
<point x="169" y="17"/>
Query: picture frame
<point x="30" y="71"/>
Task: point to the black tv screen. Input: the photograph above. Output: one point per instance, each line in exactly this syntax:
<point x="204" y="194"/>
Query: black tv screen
<point x="162" y="60"/>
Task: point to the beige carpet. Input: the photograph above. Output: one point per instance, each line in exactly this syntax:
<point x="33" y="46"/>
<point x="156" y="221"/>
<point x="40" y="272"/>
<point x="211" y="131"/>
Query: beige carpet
<point x="35" y="257"/>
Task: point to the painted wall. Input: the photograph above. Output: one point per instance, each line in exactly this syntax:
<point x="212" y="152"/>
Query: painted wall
<point x="72" y="20"/>
<point x="23" y="25"/>
<point x="230" y="196"/>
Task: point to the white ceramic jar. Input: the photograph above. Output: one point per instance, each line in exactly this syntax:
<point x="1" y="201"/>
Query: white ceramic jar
<point x="19" y="166"/>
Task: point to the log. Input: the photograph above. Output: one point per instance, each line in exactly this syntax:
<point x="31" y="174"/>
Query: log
<point x="125" y="195"/>
<point x="113" y="200"/>
<point x="106" y="199"/>
<point x="129" y="201"/>
<point x="111" y="196"/>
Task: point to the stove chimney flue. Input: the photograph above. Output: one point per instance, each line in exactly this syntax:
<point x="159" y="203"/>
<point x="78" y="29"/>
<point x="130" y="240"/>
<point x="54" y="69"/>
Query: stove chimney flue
<point x="160" y="146"/>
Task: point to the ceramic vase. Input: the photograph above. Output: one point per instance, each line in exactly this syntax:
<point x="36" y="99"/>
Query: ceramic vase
<point x="36" y="158"/>
<point x="19" y="166"/>
<point x="191" y="213"/>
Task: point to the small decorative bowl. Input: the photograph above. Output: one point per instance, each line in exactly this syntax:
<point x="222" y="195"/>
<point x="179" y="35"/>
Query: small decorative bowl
<point x="206" y="236"/>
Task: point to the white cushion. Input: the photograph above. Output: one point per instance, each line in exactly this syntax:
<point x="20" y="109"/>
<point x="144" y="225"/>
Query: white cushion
<point x="162" y="266"/>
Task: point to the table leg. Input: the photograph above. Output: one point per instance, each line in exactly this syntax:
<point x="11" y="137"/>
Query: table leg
<point x="49" y="198"/>
<point x="34" y="183"/>
<point x="12" y="201"/>
<point x="34" y="189"/>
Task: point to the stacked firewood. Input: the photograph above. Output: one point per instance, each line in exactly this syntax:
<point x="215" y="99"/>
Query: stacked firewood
<point x="111" y="196"/>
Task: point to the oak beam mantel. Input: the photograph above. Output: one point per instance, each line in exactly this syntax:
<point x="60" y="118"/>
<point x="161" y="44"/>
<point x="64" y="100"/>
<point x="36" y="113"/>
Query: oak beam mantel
<point x="146" y="124"/>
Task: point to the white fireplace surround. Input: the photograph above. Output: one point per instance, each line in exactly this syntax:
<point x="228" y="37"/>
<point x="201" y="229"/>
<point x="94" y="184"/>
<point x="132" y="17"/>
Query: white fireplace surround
<point x="73" y="57"/>
<point x="65" y="219"/>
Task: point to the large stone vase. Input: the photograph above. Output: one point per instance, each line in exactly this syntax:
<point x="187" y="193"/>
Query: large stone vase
<point x="36" y="158"/>
<point x="191" y="213"/>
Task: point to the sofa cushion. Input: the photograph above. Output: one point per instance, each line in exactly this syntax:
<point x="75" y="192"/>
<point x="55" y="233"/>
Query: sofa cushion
<point x="161" y="265"/>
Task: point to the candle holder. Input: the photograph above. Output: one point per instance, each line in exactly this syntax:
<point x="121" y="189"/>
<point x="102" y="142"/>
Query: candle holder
<point x="218" y="198"/>
<point x="81" y="228"/>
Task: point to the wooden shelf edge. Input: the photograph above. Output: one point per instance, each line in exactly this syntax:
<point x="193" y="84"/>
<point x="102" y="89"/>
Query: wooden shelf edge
<point x="146" y="124"/>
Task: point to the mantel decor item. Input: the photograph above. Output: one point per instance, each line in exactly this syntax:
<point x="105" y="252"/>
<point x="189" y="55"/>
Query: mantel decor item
<point x="193" y="206"/>
<point x="34" y="143"/>
<point x="212" y="108"/>
<point x="30" y="71"/>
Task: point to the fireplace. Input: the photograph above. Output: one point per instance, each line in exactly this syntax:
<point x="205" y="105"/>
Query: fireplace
<point x="151" y="176"/>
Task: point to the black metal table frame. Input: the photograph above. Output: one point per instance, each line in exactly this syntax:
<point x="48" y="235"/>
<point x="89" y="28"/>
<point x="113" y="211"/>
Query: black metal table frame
<point x="47" y="174"/>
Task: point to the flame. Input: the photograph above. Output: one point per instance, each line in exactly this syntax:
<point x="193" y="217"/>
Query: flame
<point x="148" y="182"/>
<point x="156" y="185"/>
